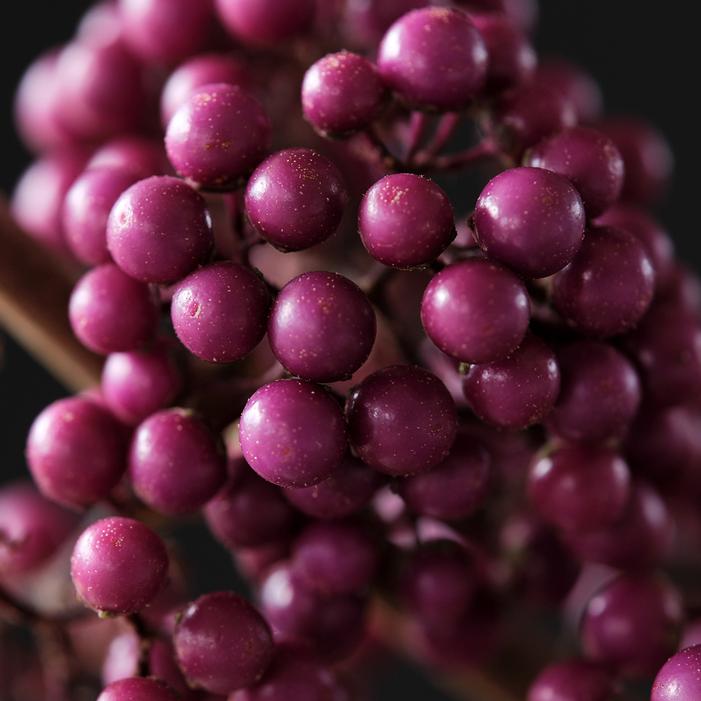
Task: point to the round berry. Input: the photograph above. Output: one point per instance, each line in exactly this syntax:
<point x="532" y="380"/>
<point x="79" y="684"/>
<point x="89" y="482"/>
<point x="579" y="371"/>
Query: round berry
<point x="295" y="199"/>
<point x="118" y="565"/>
<point x="365" y="22"/>
<point x="679" y="679"/>
<point x="137" y="689"/>
<point x="136" y="154"/>
<point x="217" y="136"/>
<point x="573" y="680"/>
<point x="406" y="220"/>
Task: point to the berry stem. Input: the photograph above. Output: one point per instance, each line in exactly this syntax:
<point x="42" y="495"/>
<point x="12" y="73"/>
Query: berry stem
<point x="445" y="129"/>
<point x="386" y="157"/>
<point x="145" y="636"/>
<point x="418" y="123"/>
<point x="484" y="151"/>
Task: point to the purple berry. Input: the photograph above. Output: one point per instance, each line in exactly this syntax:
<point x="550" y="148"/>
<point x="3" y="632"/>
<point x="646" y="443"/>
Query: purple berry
<point x="476" y="311"/>
<point x="608" y="286"/>
<point x="292" y="433"/>
<point x="401" y="420"/>
<point x="522" y="13"/>
<point x="159" y="230"/>
<point x="406" y="220"/>
<point x="295" y="199"/>
<point x="175" y="464"/>
<point x="76" y="452"/>
<point x="220" y="312"/>
<point x="434" y="58"/>
<point x="118" y="565"/>
<point x="599" y="394"/>
<point x="579" y="488"/>
<point x="573" y="680"/>
<point x="137" y="689"/>
<point x="137" y="154"/>
<point x="97" y="311"/>
<point x="365" y="22"/>
<point x="518" y="391"/>
<point x="680" y="677"/>
<point x="321" y="327"/>
<point x="587" y="158"/>
<point x="217" y="136"/>
<point x="531" y="220"/>
<point x="224" y="622"/>
<point x="342" y="93"/>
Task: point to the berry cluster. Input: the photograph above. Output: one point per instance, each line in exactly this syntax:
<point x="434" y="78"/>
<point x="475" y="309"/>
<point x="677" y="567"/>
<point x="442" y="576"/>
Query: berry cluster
<point x="458" y="413"/>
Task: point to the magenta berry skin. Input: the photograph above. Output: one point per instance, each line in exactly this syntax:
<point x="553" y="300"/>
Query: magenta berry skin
<point x="159" y="230"/>
<point x="521" y="118"/>
<point x="220" y="312"/>
<point x="572" y="680"/>
<point x="321" y="327"/>
<point x="97" y="310"/>
<point x="31" y="528"/>
<point x="292" y="433"/>
<point x="648" y="159"/>
<point x="522" y="13"/>
<point x="224" y="622"/>
<point x="401" y="420"/>
<point x="342" y="93"/>
<point x="579" y="488"/>
<point x="295" y="199"/>
<point x="589" y="160"/>
<point x="336" y="557"/>
<point x="137" y="689"/>
<point x="136" y="384"/>
<point x="632" y="624"/>
<point x="434" y="58"/>
<point x="166" y="31"/>
<point x="599" y="395"/>
<point x="656" y="241"/>
<point x="406" y="220"/>
<point x="205" y="69"/>
<point x="366" y="21"/>
<point x="266" y="22"/>
<point x="454" y="489"/>
<point x="680" y="678"/>
<point x="512" y="59"/>
<point x="476" y="311"/>
<point x="217" y="136"/>
<point x="140" y="155"/>
<point x="346" y="492"/>
<point x="608" y="286"/>
<point x="176" y="464"/>
<point x="248" y="512"/>
<point x="52" y="176"/>
<point x="75" y="452"/>
<point x="518" y="391"/>
<point x="86" y="208"/>
<point x="118" y="565"/>
<point x="531" y="220"/>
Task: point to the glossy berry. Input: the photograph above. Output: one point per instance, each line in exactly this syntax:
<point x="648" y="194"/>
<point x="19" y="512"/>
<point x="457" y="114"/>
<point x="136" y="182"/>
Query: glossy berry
<point x="454" y="489"/>
<point x="175" y="463"/>
<point x="366" y="21"/>
<point x="342" y="93"/>
<point x="159" y="230"/>
<point x="31" y="528"/>
<point x="219" y="312"/>
<point x="579" y="488"/>
<point x="137" y="689"/>
<point x="86" y="209"/>
<point x="76" y="452"/>
<point x="521" y="13"/>
<point x="118" y="565"/>
<point x="632" y="624"/>
<point x="572" y="680"/>
<point x="217" y="136"/>
<point x="599" y="395"/>
<point x="224" y="622"/>
<point x="136" y="154"/>
<point x="295" y="199"/>
<point x="321" y="327"/>
<point x="406" y="220"/>
<point x="401" y="420"/>
<point x="518" y="391"/>
<point x="266" y="22"/>
<point x="346" y="492"/>
<point x="530" y="219"/>
<point x="434" y="58"/>
<point x="292" y="433"/>
<point x="97" y="311"/>
<point x="476" y="311"/>
<point x="680" y="678"/>
<point x="609" y="285"/>
<point x="589" y="160"/>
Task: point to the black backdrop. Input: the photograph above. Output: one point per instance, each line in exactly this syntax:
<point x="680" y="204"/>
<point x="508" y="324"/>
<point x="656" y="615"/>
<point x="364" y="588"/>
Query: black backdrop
<point x="645" y="55"/>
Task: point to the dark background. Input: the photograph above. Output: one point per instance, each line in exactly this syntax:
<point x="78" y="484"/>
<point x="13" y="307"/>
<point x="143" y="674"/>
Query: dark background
<point x="644" y="55"/>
